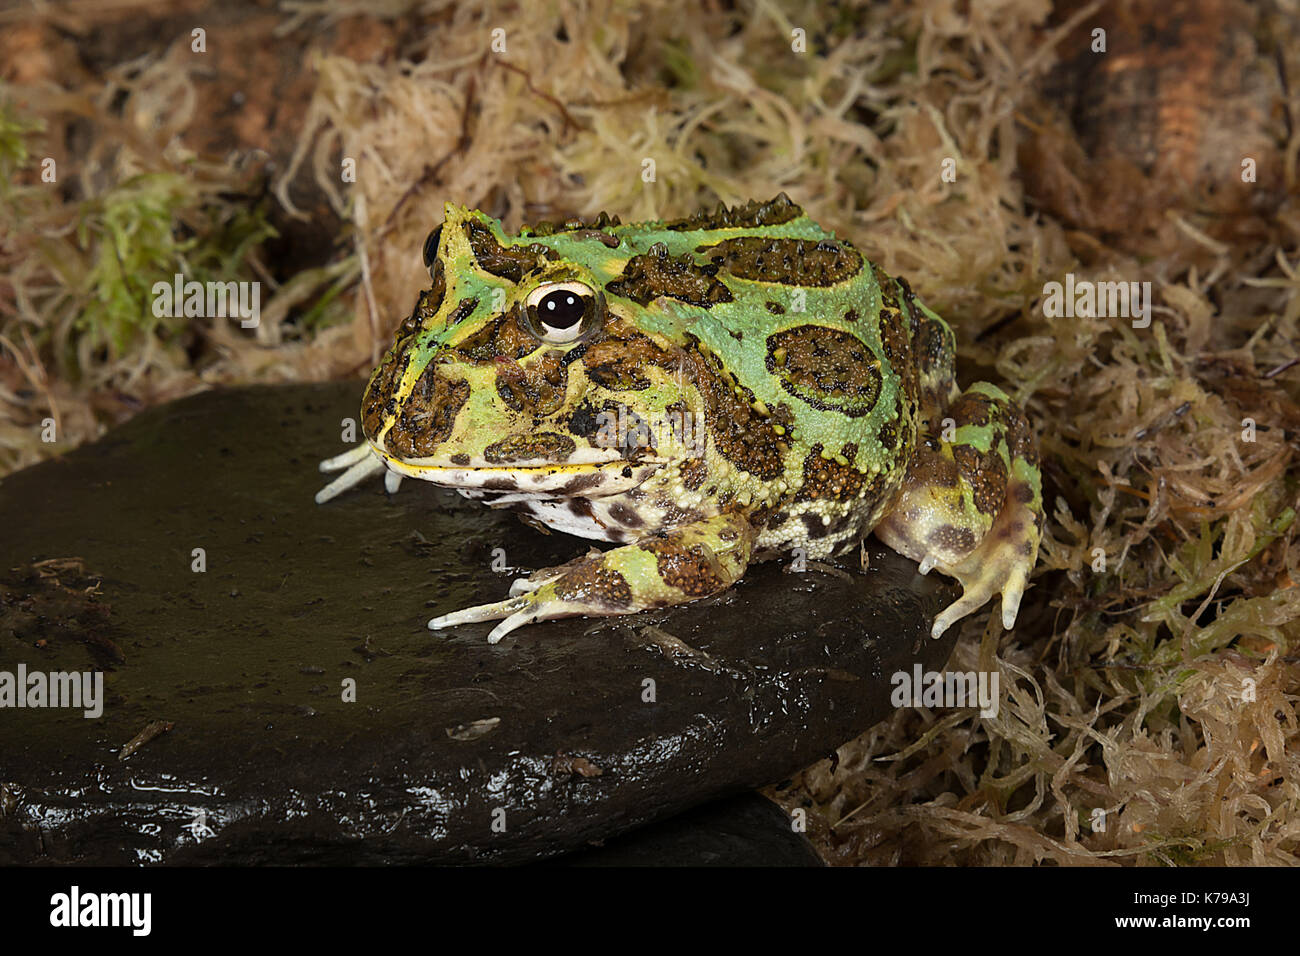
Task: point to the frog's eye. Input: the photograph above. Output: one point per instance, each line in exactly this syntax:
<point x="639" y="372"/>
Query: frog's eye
<point x="431" y="247"/>
<point x="560" y="312"/>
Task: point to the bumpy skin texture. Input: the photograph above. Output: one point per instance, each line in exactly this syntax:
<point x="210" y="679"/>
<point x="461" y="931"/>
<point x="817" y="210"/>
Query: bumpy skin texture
<point x="741" y="384"/>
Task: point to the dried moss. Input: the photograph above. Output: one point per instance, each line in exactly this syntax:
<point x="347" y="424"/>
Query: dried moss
<point x="1152" y="679"/>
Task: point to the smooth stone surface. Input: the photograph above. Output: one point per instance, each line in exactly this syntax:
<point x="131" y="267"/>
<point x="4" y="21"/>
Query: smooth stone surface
<point x="455" y="750"/>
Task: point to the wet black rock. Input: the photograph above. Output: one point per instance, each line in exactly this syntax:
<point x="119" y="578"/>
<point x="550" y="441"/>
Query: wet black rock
<point x="229" y="732"/>
<point x="748" y="830"/>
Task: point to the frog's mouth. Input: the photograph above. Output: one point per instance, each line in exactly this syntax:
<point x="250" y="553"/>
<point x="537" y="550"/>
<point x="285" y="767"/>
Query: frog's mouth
<point x="497" y="483"/>
<point x="533" y="479"/>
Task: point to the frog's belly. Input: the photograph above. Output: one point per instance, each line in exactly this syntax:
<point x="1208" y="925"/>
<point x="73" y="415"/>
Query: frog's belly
<point x="816" y="529"/>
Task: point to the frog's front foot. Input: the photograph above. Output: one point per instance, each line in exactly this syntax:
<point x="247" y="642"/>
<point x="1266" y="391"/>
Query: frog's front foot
<point x="972" y="507"/>
<point x="675" y="567"/>
<point x="357" y="464"/>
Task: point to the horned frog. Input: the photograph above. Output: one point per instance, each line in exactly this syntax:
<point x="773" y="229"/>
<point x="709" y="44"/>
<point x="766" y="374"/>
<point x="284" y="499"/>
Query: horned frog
<point x="703" y="393"/>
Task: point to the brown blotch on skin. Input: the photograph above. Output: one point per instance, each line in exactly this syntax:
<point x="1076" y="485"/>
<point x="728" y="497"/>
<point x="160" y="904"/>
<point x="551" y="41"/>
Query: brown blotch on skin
<point x="694" y="471"/>
<point x="893" y="336"/>
<point x="741" y="435"/>
<point x="617" y="357"/>
<point x="656" y="273"/>
<point x="501" y="484"/>
<point x="379" y="400"/>
<point x="625" y="515"/>
<point x="934" y="350"/>
<point x="581" y="507"/>
<point x="503" y="337"/>
<point x="536" y="389"/>
<point x="953" y="539"/>
<point x="974" y="408"/>
<point x="573" y="224"/>
<point x="930" y="468"/>
<point x="1020" y="438"/>
<point x="690" y="570"/>
<point x="796" y="262"/>
<point x="674" y="515"/>
<point x="827" y="479"/>
<point x="888" y="289"/>
<point x="606" y="239"/>
<point x="908" y="301"/>
<point x="427" y="305"/>
<point x="851" y="315"/>
<point x="427" y="415"/>
<point x="585" y="420"/>
<point x="591" y="582"/>
<point x="580" y="483"/>
<point x="776" y="308"/>
<point x="1023" y="493"/>
<point x="986" y="474"/>
<point x="508" y="262"/>
<point x="751" y="215"/>
<point x="828" y="369"/>
<point x="547" y="446"/>
<point x="896" y="343"/>
<point x="814" y="525"/>
<point x="460" y="458"/>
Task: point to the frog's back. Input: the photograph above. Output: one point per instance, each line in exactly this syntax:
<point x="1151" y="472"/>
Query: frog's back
<point x="805" y="361"/>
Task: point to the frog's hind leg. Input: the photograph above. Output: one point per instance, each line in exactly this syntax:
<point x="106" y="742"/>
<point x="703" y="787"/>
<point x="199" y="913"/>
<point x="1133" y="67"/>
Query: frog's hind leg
<point x="690" y="562"/>
<point x="971" y="503"/>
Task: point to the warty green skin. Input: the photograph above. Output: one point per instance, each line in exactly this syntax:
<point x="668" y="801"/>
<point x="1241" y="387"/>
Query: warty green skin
<point x="821" y="389"/>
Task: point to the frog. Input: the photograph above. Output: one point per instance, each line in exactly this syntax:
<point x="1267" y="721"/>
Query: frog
<point x="699" y="394"/>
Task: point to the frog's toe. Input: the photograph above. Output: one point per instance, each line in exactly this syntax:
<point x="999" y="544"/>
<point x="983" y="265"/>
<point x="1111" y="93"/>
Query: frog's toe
<point x="357" y="464"/>
<point x="985" y="574"/>
<point x="540" y="604"/>
<point x="347" y="459"/>
<point x="480" y="612"/>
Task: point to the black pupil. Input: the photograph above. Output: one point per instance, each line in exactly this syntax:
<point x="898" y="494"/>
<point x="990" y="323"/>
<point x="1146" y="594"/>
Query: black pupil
<point x="562" y="309"/>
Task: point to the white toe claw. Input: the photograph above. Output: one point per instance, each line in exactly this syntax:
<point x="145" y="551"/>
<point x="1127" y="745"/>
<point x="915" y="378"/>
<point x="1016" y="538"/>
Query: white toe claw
<point x="483" y="612"/>
<point x="509" y="624"/>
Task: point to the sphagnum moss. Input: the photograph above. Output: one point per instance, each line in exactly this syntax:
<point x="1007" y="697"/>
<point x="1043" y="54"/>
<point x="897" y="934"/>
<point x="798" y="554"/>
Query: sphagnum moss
<point x="1149" y="695"/>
